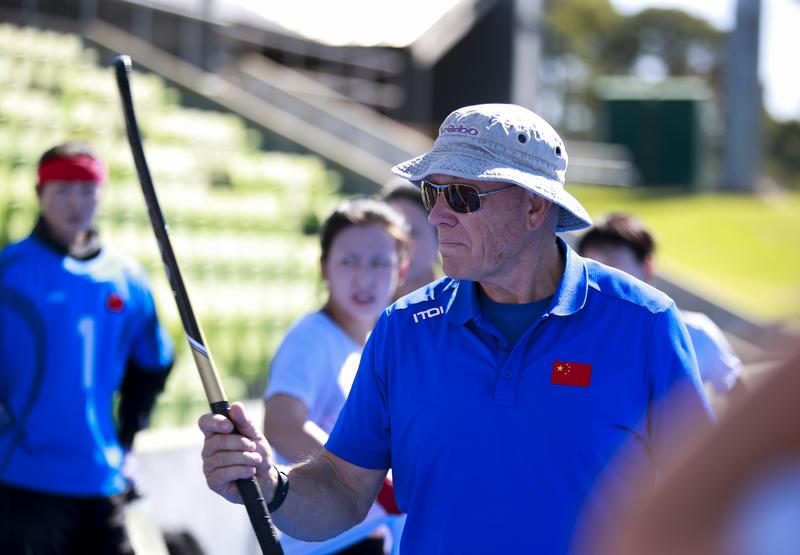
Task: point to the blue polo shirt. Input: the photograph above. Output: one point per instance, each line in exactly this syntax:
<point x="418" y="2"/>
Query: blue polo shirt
<point x="497" y="448"/>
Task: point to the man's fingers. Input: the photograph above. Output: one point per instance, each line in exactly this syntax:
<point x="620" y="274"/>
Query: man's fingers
<point x="228" y="442"/>
<point x="222" y="480"/>
<point x="230" y="459"/>
<point x="233" y="449"/>
<point x="211" y="424"/>
<point x="243" y="423"/>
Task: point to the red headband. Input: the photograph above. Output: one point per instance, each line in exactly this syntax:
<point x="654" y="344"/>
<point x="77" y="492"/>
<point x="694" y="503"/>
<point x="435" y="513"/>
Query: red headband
<point x="82" y="168"/>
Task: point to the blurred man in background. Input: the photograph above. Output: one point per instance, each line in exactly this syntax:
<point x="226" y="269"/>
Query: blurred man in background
<point x="423" y="254"/>
<point x="77" y="326"/>
<point x="624" y="242"/>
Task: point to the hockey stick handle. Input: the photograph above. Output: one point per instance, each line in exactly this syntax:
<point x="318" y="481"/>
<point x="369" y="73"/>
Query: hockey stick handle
<point x="248" y="488"/>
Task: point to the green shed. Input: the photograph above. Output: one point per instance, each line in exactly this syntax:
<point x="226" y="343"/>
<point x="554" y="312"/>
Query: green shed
<point x="666" y="124"/>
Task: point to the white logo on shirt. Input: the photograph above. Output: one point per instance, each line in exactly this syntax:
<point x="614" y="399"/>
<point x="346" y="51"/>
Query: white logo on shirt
<point x="430" y="313"/>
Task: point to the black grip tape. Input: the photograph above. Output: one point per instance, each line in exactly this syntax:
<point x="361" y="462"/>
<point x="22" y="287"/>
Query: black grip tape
<point x="254" y="501"/>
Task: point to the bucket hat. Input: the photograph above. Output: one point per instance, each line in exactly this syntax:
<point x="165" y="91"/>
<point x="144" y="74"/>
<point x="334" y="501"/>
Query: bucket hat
<point x="501" y="142"/>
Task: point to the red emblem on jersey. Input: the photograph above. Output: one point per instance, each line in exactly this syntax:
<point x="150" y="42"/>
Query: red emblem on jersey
<point x="114" y="302"/>
<point x="571" y="373"/>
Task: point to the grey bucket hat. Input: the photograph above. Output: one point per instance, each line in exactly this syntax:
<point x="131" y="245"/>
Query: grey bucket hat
<point x="501" y="142"/>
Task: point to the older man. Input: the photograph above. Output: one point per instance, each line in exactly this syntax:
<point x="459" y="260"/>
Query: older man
<point x="500" y="394"/>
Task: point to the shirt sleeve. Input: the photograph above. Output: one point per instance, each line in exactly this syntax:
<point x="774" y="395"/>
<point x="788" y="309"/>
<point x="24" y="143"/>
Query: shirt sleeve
<point x="719" y="365"/>
<point x="149" y="363"/>
<point x="152" y="349"/>
<point x="679" y="406"/>
<point x="362" y="434"/>
<point x="299" y="366"/>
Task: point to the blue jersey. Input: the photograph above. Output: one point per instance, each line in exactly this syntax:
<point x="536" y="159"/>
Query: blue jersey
<point x="498" y="448"/>
<point x="68" y="328"/>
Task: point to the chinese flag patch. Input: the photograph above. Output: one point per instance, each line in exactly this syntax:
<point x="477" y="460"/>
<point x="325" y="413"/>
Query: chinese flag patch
<point x="571" y="373"/>
<point x="114" y="302"/>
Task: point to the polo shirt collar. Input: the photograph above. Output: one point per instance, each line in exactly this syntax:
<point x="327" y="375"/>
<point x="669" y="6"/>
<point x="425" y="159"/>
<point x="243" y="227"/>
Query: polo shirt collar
<point x="463" y="305"/>
<point x="571" y="294"/>
<point x="569" y="298"/>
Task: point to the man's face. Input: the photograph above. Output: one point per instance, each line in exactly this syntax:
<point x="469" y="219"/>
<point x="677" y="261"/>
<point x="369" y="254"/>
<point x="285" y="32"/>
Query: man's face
<point x="484" y="244"/>
<point x="423" y="246"/>
<point x="69" y="207"/>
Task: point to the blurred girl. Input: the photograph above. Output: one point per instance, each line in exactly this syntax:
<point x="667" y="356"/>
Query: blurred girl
<point x="364" y="256"/>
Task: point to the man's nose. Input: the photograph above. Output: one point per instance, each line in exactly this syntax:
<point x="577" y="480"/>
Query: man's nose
<point x="74" y="200"/>
<point x="441" y="213"/>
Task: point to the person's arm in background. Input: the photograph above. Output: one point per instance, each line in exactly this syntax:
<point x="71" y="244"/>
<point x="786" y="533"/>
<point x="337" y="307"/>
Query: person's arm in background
<point x="146" y="372"/>
<point x="679" y="412"/>
<point x="720" y="367"/>
<point x="288" y="429"/>
<point x="327" y="495"/>
<point x="680" y="408"/>
<point x="149" y="364"/>
<point x="137" y="397"/>
<point x="692" y="509"/>
<point x="299" y="373"/>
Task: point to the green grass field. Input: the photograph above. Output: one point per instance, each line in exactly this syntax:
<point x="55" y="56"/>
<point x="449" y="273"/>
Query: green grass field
<point x="741" y="251"/>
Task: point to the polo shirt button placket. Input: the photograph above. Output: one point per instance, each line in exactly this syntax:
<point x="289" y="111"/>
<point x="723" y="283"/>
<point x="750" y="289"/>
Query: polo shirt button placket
<point x="505" y="393"/>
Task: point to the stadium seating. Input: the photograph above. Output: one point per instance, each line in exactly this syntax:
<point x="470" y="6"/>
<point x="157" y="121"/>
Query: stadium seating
<point x="236" y="213"/>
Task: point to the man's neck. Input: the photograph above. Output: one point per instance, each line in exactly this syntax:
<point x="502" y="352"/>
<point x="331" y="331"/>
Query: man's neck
<point x="536" y="277"/>
<point x="85" y="245"/>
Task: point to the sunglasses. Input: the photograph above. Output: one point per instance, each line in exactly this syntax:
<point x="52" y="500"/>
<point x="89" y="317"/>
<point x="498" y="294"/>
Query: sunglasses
<point x="461" y="198"/>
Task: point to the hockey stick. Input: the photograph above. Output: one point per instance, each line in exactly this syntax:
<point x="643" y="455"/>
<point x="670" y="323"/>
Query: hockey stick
<point x="249" y="488"/>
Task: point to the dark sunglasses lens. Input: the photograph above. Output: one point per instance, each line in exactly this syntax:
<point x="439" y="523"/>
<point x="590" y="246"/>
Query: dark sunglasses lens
<point x="429" y="194"/>
<point x="463" y="198"/>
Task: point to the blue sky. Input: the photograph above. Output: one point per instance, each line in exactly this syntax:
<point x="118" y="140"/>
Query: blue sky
<point x="780" y="43"/>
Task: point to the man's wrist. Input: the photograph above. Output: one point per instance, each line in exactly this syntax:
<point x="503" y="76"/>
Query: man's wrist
<point x="280" y="491"/>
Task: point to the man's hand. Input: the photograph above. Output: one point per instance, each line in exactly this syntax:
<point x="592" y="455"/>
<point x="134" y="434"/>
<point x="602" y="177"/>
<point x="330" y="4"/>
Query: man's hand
<point x="130" y="472"/>
<point x="232" y="453"/>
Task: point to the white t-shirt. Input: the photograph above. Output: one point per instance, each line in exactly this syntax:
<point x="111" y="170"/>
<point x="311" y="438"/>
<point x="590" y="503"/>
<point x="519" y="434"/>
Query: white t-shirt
<point x="316" y="363"/>
<point x="719" y="365"/>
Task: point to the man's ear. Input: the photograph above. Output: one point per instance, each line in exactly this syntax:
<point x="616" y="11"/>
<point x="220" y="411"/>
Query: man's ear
<point x="402" y="270"/>
<point x="323" y="268"/>
<point x="537" y="210"/>
<point x="648" y="267"/>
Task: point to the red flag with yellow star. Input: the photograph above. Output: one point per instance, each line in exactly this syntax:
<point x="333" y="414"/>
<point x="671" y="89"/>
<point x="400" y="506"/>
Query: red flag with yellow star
<point x="571" y="373"/>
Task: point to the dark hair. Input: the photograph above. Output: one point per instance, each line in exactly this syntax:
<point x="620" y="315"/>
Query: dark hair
<point x="401" y="189"/>
<point x="364" y="211"/>
<point x="619" y="230"/>
<point x="68" y="150"/>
